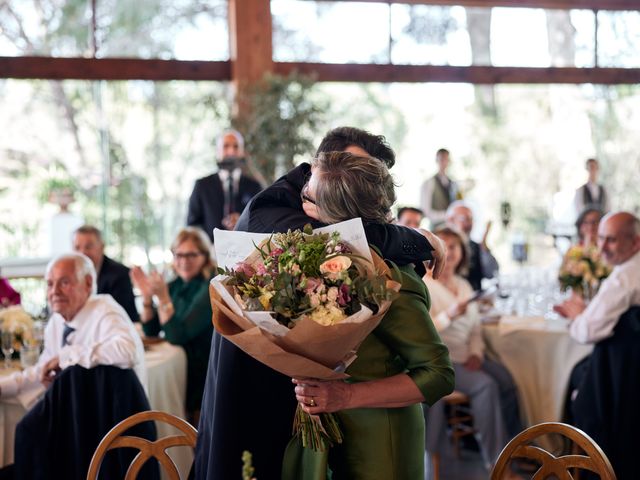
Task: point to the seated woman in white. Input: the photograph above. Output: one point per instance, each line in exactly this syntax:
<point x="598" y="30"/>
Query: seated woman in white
<point x="493" y="395"/>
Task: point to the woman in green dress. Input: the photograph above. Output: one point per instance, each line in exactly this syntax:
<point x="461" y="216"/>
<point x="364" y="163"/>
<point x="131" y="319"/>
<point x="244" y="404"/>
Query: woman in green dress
<point x="183" y="310"/>
<point x="400" y="365"/>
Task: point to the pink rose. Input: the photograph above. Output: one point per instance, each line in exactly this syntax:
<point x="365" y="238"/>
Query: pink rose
<point x="245" y="268"/>
<point x="333" y="267"/>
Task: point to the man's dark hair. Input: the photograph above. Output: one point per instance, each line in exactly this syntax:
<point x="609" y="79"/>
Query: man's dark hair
<point x="89" y="229"/>
<point x="401" y="210"/>
<point x="442" y="151"/>
<point x="338" y="139"/>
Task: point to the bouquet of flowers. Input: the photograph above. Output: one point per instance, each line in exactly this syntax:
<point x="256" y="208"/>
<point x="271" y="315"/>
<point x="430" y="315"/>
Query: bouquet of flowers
<point x="302" y="303"/>
<point x="15" y="320"/>
<point x="582" y="271"/>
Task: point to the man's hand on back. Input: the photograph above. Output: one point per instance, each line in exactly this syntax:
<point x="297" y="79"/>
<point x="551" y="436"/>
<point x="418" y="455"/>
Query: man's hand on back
<point x="436" y="264"/>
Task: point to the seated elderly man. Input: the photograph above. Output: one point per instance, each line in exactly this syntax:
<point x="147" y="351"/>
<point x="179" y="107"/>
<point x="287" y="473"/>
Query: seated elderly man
<point x="619" y="244"/>
<point x="113" y="277"/>
<point x="85" y="329"/>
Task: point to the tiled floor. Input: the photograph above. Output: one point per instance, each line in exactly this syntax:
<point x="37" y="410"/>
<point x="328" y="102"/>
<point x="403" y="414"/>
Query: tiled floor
<point x="467" y="467"/>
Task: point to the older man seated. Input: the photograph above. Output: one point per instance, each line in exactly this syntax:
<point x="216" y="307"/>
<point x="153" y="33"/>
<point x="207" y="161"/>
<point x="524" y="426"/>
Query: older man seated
<point x="605" y="387"/>
<point x="619" y="244"/>
<point x="85" y="329"/>
<point x="113" y="277"/>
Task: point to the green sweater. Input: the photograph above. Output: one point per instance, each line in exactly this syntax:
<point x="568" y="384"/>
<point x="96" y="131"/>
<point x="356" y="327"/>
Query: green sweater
<point x="191" y="328"/>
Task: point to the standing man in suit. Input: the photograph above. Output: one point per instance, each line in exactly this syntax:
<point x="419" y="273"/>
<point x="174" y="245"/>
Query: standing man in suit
<point x="113" y="277"/>
<point x="217" y="200"/>
<point x="592" y="194"/>
<point x="439" y="191"/>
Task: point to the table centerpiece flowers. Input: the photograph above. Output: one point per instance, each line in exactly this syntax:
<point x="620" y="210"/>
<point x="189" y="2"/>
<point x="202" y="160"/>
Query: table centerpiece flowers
<point x="582" y="271"/>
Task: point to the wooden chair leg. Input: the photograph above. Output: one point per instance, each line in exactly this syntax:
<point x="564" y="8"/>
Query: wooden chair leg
<point x="435" y="462"/>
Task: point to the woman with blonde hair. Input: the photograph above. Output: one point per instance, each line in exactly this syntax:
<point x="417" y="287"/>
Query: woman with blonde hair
<point x="182" y="310"/>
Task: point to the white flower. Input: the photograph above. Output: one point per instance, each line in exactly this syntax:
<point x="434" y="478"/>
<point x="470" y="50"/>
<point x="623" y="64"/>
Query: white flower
<point x="15" y="319"/>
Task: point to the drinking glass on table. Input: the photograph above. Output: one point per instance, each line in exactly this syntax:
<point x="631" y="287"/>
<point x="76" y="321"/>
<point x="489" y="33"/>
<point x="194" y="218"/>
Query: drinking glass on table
<point x="7" y="339"/>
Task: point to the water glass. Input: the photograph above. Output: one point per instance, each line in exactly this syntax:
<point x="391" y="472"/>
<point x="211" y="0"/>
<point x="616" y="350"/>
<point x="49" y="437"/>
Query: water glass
<point x="7" y="338"/>
<point x="29" y="355"/>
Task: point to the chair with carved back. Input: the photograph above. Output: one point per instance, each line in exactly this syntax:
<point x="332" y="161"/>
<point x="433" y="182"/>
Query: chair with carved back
<point x="147" y="449"/>
<point x="522" y="446"/>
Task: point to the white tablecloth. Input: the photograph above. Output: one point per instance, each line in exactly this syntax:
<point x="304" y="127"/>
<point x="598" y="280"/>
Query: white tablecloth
<point x="540" y="355"/>
<point x="167" y="375"/>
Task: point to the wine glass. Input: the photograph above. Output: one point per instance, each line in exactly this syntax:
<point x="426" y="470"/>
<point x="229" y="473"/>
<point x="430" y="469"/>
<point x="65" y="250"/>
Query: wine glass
<point x="7" y="339"/>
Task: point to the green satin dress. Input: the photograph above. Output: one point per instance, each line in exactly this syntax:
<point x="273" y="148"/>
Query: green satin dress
<point x="386" y="443"/>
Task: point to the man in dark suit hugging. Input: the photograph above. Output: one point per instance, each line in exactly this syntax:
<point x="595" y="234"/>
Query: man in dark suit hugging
<point x="218" y="199"/>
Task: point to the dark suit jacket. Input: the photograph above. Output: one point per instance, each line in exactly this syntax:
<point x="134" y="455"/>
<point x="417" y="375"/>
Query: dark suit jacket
<point x="606" y="406"/>
<point x="58" y="436"/>
<point x="247" y="405"/>
<point x="113" y="278"/>
<point x="206" y="204"/>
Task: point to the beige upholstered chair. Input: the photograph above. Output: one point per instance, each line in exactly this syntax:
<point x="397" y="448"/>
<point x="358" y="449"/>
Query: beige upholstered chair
<point x="551" y="466"/>
<point x="148" y="449"/>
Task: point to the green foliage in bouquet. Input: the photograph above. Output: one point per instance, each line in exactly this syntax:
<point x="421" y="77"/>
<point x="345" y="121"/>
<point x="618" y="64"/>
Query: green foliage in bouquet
<point x="301" y="274"/>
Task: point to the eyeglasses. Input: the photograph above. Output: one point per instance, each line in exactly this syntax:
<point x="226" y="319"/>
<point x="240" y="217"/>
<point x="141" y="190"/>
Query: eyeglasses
<point x="304" y="196"/>
<point x="187" y="255"/>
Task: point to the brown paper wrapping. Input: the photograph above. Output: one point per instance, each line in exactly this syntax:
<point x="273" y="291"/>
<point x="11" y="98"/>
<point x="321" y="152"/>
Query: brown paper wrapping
<point x="309" y="350"/>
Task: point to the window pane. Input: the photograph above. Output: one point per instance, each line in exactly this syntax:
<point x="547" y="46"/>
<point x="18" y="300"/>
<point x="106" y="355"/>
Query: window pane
<point x="180" y="29"/>
<point x="330" y="32"/>
<point x="619" y="39"/>
<point x="429" y="35"/>
<point x="129" y="152"/>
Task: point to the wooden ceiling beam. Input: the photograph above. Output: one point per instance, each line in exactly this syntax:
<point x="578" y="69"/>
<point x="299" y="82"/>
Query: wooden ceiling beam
<point x="326" y="72"/>
<point x="112" y="69"/>
<point x="138" y="69"/>
<point x="631" y="5"/>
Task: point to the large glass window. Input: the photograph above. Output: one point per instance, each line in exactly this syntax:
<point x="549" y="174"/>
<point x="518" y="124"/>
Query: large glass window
<point x="166" y="29"/>
<point x="359" y="32"/>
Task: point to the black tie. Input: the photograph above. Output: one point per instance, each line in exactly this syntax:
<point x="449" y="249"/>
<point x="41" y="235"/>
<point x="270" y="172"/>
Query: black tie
<point x="230" y="195"/>
<point x="65" y="334"/>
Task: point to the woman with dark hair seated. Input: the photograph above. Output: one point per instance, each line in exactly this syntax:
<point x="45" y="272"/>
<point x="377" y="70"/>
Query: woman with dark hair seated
<point x="587" y="226"/>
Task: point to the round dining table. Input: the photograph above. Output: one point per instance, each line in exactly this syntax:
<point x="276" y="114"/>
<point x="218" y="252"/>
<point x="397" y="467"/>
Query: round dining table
<point x="540" y="355"/>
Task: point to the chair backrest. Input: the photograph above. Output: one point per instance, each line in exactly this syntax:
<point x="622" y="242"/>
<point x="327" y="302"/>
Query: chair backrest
<point x="147" y="449"/>
<point x="521" y="446"/>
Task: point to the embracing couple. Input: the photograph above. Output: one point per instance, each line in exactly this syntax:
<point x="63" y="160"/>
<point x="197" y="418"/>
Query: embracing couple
<point x="248" y="406"/>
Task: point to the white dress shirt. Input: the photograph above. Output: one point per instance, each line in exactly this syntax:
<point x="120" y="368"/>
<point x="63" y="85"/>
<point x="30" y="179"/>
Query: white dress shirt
<point x="618" y="292"/>
<point x="104" y="335"/>
<point x="462" y="335"/>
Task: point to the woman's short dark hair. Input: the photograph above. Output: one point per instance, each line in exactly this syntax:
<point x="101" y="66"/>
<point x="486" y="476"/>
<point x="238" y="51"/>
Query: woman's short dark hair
<point x="351" y="186"/>
<point x="463" y="267"/>
<point x="338" y="139"/>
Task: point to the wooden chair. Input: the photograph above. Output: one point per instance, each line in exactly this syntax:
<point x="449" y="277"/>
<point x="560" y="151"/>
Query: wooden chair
<point x="551" y="466"/>
<point x="148" y="449"/>
<point x="459" y="418"/>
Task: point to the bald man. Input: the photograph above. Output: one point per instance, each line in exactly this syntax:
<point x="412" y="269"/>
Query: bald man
<point x="218" y="199"/>
<point x="482" y="263"/>
<point x="619" y="244"/>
